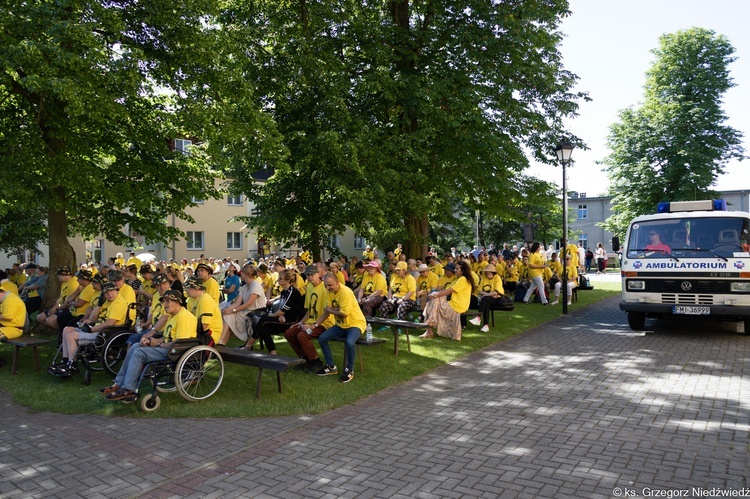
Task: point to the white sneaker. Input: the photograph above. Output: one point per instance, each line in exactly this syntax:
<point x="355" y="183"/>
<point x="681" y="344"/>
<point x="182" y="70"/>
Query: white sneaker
<point x="485" y="329"/>
<point x="477" y="321"/>
<point x="554" y="302"/>
<point x="569" y="304"/>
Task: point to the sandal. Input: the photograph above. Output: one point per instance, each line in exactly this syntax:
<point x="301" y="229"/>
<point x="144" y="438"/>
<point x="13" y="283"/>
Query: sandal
<point x="108" y="389"/>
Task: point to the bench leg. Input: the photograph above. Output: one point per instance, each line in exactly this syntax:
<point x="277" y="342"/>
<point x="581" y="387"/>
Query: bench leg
<point x="257" y="387"/>
<point x="16" y="355"/>
<point x="36" y="359"/>
<point x="278" y="378"/>
<point x="359" y="356"/>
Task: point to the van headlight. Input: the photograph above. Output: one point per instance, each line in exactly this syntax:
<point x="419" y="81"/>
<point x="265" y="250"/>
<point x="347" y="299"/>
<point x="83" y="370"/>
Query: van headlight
<point x="636" y="285"/>
<point x="740" y="287"/>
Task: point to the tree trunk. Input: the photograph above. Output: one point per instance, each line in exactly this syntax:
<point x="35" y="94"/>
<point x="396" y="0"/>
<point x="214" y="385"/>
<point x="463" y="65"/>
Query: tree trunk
<point x="417" y="228"/>
<point x="60" y="253"/>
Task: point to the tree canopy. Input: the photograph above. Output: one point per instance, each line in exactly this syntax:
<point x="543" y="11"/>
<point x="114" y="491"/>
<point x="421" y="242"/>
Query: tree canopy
<point x="673" y="146"/>
<point x="391" y="110"/>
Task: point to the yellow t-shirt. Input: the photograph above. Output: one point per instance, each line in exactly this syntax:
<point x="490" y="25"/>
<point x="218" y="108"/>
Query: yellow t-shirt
<point x="461" y="297"/>
<point x="427" y="283"/>
<point x="10" y="286"/>
<point x="489" y="285"/>
<point x="511" y="273"/>
<point x="212" y="289"/>
<point x="181" y="326"/>
<point x="301" y="285"/>
<point x="536" y="259"/>
<point x="275" y="288"/>
<point x="116" y="309"/>
<point x="13" y="311"/>
<point x="67" y="288"/>
<point x="446" y="282"/>
<point x="87" y="295"/>
<point x="315" y="302"/>
<point x="134" y="261"/>
<point x="128" y="294"/>
<point x="572" y="250"/>
<point x="266" y="281"/>
<point x="346" y="302"/>
<point x="372" y="283"/>
<point x="156" y="310"/>
<point x="18" y="279"/>
<point x="402" y="285"/>
<point x="555" y="267"/>
<point x="437" y="268"/>
<point x="207" y="305"/>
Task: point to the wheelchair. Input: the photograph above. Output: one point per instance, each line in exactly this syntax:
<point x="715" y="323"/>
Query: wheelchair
<point x="105" y="353"/>
<point x="193" y="368"/>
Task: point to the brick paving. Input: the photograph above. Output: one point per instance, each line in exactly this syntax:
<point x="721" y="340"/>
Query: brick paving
<point x="574" y="408"/>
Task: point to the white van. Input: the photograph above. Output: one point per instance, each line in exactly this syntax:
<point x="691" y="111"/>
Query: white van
<point x="691" y="258"/>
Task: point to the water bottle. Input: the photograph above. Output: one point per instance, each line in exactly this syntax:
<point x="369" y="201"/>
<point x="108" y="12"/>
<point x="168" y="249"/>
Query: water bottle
<point x="368" y="333"/>
<point x="138" y="326"/>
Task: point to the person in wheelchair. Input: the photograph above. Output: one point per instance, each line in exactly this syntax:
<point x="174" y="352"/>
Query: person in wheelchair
<point x="113" y="312"/>
<point x="181" y="324"/>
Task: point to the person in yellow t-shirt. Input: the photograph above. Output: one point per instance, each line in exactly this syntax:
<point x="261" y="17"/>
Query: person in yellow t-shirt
<point x="79" y="305"/>
<point x="572" y="273"/>
<point x="181" y="324"/>
<point x="134" y="261"/>
<point x="350" y="324"/>
<point x="537" y="266"/>
<point x="490" y="290"/>
<point x="206" y="272"/>
<point x="203" y="307"/>
<point x="435" y="266"/>
<point x="10" y="285"/>
<point x="401" y="293"/>
<point x="427" y="282"/>
<point x="69" y="289"/>
<point x="12" y="314"/>
<point x="112" y="313"/>
<point x="449" y="276"/>
<point x="373" y="290"/>
<point x="443" y="315"/>
<point x="266" y="279"/>
<point x="117" y="277"/>
<point x="512" y="273"/>
<point x="572" y="250"/>
<point x="301" y="334"/>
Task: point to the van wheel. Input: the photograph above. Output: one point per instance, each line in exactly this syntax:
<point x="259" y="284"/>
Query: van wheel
<point x="747" y="326"/>
<point x="637" y="321"/>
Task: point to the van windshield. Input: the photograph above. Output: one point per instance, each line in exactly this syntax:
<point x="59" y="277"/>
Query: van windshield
<point x="715" y="237"/>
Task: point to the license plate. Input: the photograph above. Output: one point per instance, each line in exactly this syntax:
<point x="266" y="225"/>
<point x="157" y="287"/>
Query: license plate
<point x="687" y="310"/>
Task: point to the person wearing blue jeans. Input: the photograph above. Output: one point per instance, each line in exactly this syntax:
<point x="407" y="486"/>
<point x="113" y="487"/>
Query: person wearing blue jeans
<point x="180" y="325"/>
<point x="350" y="323"/>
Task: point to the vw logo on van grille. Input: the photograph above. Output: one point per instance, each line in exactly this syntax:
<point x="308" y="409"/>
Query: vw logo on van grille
<point x="686" y="286"/>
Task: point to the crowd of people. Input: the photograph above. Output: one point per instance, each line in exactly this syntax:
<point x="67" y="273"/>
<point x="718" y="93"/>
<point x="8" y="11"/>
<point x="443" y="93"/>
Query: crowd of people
<point x="256" y="300"/>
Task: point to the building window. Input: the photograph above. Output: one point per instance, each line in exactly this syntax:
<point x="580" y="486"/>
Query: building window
<point x="359" y="242"/>
<point x="194" y="240"/>
<point x="333" y="241"/>
<point x="234" y="240"/>
<point x="583" y="212"/>
<point x="182" y="145"/>
<point x="196" y="200"/>
<point x="234" y="200"/>
<point x="583" y="240"/>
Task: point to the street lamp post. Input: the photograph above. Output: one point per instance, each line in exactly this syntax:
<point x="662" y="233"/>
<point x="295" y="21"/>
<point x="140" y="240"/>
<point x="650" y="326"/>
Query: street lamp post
<point x="564" y="150"/>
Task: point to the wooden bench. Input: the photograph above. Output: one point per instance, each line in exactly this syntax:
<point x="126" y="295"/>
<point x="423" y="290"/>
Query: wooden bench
<point x="26" y="341"/>
<point x="574" y="297"/>
<point x="362" y="341"/>
<point x="261" y="360"/>
<point x="395" y="326"/>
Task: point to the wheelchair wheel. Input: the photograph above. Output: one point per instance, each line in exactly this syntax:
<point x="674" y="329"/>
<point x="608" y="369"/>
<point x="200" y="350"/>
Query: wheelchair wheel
<point x="199" y="373"/>
<point x="165" y="383"/>
<point x="113" y="352"/>
<point x="150" y="402"/>
<point x="87" y="377"/>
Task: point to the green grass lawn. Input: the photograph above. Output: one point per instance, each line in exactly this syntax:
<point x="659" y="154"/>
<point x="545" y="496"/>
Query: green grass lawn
<point x="303" y="393"/>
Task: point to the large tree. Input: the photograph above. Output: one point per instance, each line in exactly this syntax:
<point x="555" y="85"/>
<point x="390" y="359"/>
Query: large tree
<point x="675" y="144"/>
<point x="391" y="109"/>
<point x="91" y="94"/>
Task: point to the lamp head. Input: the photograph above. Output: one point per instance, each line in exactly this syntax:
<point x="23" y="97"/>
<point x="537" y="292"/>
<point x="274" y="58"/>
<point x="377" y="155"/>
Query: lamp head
<point x="564" y="151"/>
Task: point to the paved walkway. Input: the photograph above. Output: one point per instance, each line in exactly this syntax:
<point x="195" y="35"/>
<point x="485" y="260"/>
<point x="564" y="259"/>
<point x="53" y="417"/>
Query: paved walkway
<point x="576" y="408"/>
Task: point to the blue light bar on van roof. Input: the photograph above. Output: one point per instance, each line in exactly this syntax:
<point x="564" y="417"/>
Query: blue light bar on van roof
<point x="704" y="205"/>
